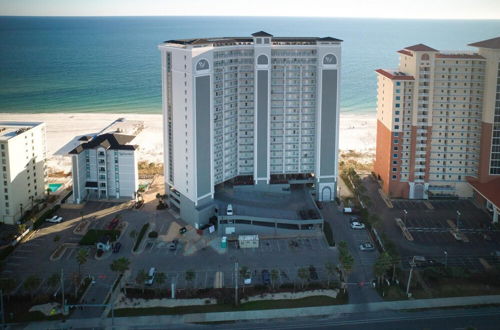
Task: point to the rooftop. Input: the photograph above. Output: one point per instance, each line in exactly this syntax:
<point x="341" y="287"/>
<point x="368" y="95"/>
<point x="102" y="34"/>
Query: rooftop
<point x="113" y="141"/>
<point x="488" y="190"/>
<point x="421" y="48"/>
<point x="228" y="41"/>
<point x="394" y="74"/>
<point x="8" y="130"/>
<point x="493" y="43"/>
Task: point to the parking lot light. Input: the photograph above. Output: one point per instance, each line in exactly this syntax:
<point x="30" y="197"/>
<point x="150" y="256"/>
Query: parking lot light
<point x="458" y="219"/>
<point x="445" y="259"/>
<point x="406" y="214"/>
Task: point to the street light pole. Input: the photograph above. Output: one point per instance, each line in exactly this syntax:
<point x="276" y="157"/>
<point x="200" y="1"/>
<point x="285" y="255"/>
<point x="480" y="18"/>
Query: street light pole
<point x="458" y="219"/>
<point x="409" y="276"/>
<point x="406" y="214"/>
<point x="236" y="283"/>
<point x="445" y="259"/>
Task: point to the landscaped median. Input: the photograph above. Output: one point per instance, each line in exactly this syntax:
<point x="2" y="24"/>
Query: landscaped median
<point x="138" y="241"/>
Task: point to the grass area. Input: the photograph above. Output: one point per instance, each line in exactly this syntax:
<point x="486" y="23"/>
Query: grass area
<point x="392" y="293"/>
<point x="94" y="235"/>
<point x="255" y="305"/>
<point x="327" y="229"/>
<point x="140" y="236"/>
<point x="453" y="288"/>
<point x="35" y="316"/>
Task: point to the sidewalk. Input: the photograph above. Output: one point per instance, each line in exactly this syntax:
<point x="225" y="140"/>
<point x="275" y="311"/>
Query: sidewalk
<point x="125" y="322"/>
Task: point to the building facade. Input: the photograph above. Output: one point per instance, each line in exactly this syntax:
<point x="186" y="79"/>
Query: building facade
<point x="22" y="168"/>
<point x="435" y="116"/>
<point x="105" y="167"/>
<point x="262" y="109"/>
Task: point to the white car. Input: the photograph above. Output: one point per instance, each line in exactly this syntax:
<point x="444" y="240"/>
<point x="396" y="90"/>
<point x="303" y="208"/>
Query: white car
<point x="367" y="246"/>
<point x="357" y="225"/>
<point x="54" y="219"/>
<point x="230" y="209"/>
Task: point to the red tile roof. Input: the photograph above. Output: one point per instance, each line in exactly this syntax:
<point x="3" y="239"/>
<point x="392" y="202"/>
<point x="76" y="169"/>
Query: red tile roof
<point x="393" y="76"/>
<point x="493" y="43"/>
<point x="421" y="48"/>
<point x="402" y="51"/>
<point x="489" y="190"/>
<point x="472" y="56"/>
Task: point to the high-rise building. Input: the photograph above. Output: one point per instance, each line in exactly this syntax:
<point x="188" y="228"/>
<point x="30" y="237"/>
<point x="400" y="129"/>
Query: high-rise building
<point x="22" y="168"/>
<point x="261" y="109"/>
<point x="436" y="122"/>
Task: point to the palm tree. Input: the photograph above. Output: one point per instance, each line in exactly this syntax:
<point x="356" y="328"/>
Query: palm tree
<point x="31" y="283"/>
<point x="141" y="279"/>
<point x="81" y="258"/>
<point x="190" y="276"/>
<point x="120" y="265"/>
<point x="274" y="277"/>
<point x="331" y="270"/>
<point x="382" y="265"/>
<point x="303" y="274"/>
<point x="161" y="278"/>
<point x="54" y="280"/>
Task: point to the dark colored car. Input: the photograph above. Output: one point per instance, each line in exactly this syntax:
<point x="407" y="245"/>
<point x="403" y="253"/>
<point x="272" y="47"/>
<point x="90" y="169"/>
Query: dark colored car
<point x="313" y="275"/>
<point x="173" y="245"/>
<point x="266" y="278"/>
<point x="116" y="247"/>
<point x="183" y="230"/>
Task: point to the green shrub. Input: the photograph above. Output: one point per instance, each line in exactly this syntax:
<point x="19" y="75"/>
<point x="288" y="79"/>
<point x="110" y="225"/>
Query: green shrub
<point x="94" y="235"/>
<point x="141" y="235"/>
<point x="153" y="234"/>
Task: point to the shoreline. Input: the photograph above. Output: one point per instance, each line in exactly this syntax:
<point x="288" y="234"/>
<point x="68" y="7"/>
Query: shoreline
<point x="356" y="132"/>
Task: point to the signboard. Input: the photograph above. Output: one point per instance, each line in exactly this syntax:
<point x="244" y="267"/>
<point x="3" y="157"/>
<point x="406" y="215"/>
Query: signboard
<point x="230" y="230"/>
<point x="211" y="229"/>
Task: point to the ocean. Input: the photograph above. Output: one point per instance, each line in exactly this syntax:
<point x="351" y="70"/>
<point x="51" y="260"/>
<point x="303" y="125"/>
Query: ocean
<point x="112" y="64"/>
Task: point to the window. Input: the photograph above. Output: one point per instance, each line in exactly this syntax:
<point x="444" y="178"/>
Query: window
<point x="398" y="98"/>
<point x="394" y="177"/>
<point x="395" y="155"/>
<point x="398" y="83"/>
<point x="397" y="105"/>
<point x="398" y="90"/>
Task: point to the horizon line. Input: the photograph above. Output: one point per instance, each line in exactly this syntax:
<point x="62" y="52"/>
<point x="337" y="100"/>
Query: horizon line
<point x="265" y="16"/>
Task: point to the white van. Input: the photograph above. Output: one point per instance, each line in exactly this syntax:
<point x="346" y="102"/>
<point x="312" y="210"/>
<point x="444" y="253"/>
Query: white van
<point x="347" y="210"/>
<point x="151" y="276"/>
<point x="230" y="209"/>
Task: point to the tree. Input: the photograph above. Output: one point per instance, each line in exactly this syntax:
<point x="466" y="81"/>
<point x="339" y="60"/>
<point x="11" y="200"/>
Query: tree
<point x="31" y="283"/>
<point x="7" y="285"/>
<point x="346" y="260"/>
<point x="382" y="265"/>
<point x="141" y="279"/>
<point x="189" y="276"/>
<point x="303" y="274"/>
<point x="331" y="270"/>
<point x="161" y="278"/>
<point x="81" y="258"/>
<point x="21" y="228"/>
<point x="274" y="277"/>
<point x="120" y="265"/>
<point x="54" y="280"/>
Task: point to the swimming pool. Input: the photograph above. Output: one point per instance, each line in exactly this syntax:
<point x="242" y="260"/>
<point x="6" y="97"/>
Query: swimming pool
<point x="54" y="186"/>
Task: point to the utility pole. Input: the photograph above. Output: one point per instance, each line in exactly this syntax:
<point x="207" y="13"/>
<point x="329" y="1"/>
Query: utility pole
<point x="409" y="277"/>
<point x="1" y="309"/>
<point x="62" y="292"/>
<point x="236" y="283"/>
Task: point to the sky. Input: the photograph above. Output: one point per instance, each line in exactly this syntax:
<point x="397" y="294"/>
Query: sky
<point x="420" y="9"/>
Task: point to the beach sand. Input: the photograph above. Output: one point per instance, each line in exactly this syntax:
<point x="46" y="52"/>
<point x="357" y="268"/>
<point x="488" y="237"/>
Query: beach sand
<point x="357" y="132"/>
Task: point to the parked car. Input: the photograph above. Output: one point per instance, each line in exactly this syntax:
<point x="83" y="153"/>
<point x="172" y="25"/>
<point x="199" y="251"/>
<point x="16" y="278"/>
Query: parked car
<point x="183" y="230"/>
<point x="54" y="219"/>
<point x="230" y="209"/>
<point x="266" y="278"/>
<point x="357" y="225"/>
<point x="172" y="246"/>
<point x="366" y="246"/>
<point x="116" y="247"/>
<point x="313" y="275"/>
<point x="151" y="276"/>
<point x="113" y="223"/>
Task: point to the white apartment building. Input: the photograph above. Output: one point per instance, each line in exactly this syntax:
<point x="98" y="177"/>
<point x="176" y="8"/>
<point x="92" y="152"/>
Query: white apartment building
<point x="262" y="109"/>
<point x="104" y="167"/>
<point x="22" y="168"/>
<point x="436" y="123"/>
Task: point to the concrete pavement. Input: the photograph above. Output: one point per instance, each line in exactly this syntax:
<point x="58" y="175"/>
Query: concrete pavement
<point x="337" y="310"/>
